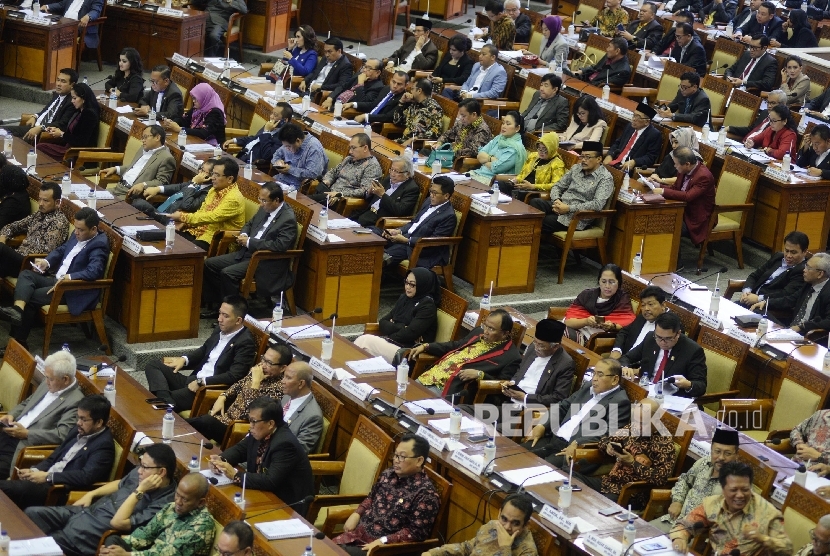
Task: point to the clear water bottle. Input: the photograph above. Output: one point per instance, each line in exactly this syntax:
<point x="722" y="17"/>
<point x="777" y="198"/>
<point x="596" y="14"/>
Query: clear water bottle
<point x="338" y="108"/>
<point x="637" y="265"/>
<point x="328" y="348"/>
<point x="714" y="303"/>
<point x="308" y="551"/>
<point x="109" y="392"/>
<point x="168" y="424"/>
<point x="182" y="139"/>
<point x="323" y="219"/>
<point x="763" y="326"/>
<point x="494" y="196"/>
<point x="91" y="199"/>
<point x="606" y="92"/>
<point x="5" y="541"/>
<point x="170" y="234"/>
<point x="565" y="492"/>
<point x="658" y="393"/>
<point x="152" y="117"/>
<point x="226" y="69"/>
<point x="407" y="153"/>
<point x="489" y="455"/>
<point x="217" y="151"/>
<point x="571" y="30"/>
<point x="436" y="168"/>
<point x="402" y="376"/>
<point x="644" y="380"/>
<point x="786" y="161"/>
<point x="86" y="80"/>
<point x="730" y="29"/>
<point x="65" y="347"/>
<point x="455" y="424"/>
<point x="66" y="185"/>
<point x="722" y="136"/>
<point x="248" y="171"/>
<point x="278" y="88"/>
<point x="485" y="302"/>
<point x="193" y="466"/>
<point x="629" y="533"/>
<point x="804" y="6"/>
<point x="31" y="159"/>
<point x="306" y="103"/>
<point x="237" y="499"/>
<point x="8" y="143"/>
<point x="367" y="129"/>
<point x="704" y="133"/>
<point x="36" y="8"/>
<point x="825" y="366"/>
<point x="113" y="98"/>
<point x="626" y="184"/>
<point x="276" y="318"/>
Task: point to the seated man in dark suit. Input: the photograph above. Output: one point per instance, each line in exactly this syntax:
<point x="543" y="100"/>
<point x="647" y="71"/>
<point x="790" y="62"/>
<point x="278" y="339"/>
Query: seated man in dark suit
<point x="771" y="285"/>
<point x="272" y="228"/>
<point x="608" y="403"/>
<point x="383" y="107"/>
<point x="186" y="197"/>
<point x="613" y="68"/>
<point x="669" y="40"/>
<point x="719" y="12"/>
<point x="84" y="458"/>
<point x="362" y="88"/>
<point x="83" y="12"/>
<point x="812" y="304"/>
<point x="814" y="155"/>
<point x="224" y="358"/>
<point x="643" y="32"/>
<point x="668" y="352"/>
<point x="395" y="195"/>
<point x="765" y="23"/>
<point x="435" y="219"/>
<point x="83" y="257"/>
<point x="756" y="68"/>
<point x="333" y="70"/>
<point x="260" y="148"/>
<point x="164" y="96"/>
<point x="487" y="352"/>
<point x="417" y="52"/>
<point x="547" y="108"/>
<point x="688" y="50"/>
<point x="56" y="114"/>
<point x="691" y="103"/>
<point x="275" y="460"/>
<point x="640" y="142"/>
<point x="652" y="305"/>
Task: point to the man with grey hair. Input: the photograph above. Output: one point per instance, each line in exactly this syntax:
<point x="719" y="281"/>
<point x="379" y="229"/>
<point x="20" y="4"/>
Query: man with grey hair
<point x="353" y="176"/>
<point x="300" y="410"/>
<point x="819" y="544"/>
<point x="46" y="416"/>
<point x="812" y="302"/>
<point x="522" y="21"/>
<point x="395" y="195"/>
<point x="774" y="98"/>
<point x="363" y="87"/>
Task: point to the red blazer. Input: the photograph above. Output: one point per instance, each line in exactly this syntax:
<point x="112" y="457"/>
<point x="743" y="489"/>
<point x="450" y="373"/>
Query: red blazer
<point x="700" y="201"/>
<point x="778" y="142"/>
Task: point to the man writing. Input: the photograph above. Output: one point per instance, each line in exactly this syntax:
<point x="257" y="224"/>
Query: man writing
<point x="164" y="96"/>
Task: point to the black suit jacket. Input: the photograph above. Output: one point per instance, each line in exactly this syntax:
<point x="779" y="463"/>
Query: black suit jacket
<point x="724" y="11"/>
<point x="629" y="334"/>
<point x="685" y="358"/>
<point x="272" y="277"/>
<point x="772" y="28"/>
<point x="172" y="104"/>
<point x="699" y="108"/>
<point x="649" y="36"/>
<point x="665" y="43"/>
<point x="400" y="202"/>
<point x="339" y="75"/>
<point x="284" y="470"/>
<point x="588" y="430"/>
<point x="617" y="74"/>
<point x="426" y="60"/>
<point x="807" y="159"/>
<point x="234" y="362"/>
<point x="741" y="17"/>
<point x="62" y="115"/>
<point x="695" y="56"/>
<point x="819" y="103"/>
<point x="440" y="223"/>
<point x="554" y="116"/>
<point x="367" y="93"/>
<point x="819" y="317"/>
<point x="386" y="113"/>
<point x="92" y="464"/>
<point x="523" y="28"/>
<point x="556" y="380"/>
<point x="762" y="75"/>
<point x="265" y="148"/>
<point x="645" y="151"/>
<point x="787" y="284"/>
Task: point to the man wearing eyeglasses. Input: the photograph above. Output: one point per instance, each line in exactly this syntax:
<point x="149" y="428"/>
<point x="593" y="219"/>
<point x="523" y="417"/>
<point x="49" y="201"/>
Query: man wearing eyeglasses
<point x="263" y="380"/>
<point x="613" y="68"/>
<point x="364" y="87"/>
<point x="644" y="31"/>
<point x="812" y="303"/>
<point x="236" y="539"/>
<point x="152" y="166"/>
<point x="354" y="175"/>
<point x="691" y="103"/>
<point x="586" y="186"/>
<point x="123" y="505"/>
<point x="164" y="96"/>
<point x="756" y="68"/>
<point x="819" y="544"/>
<point x="259" y="149"/>
<point x="401" y="507"/>
<point x="395" y="195"/>
<point x="301" y="156"/>
<point x="688" y="50"/>
<point x="276" y="462"/>
<point x="765" y="23"/>
<point x="417" y="52"/>
<point x="84" y="458"/>
<point x="667" y="352"/>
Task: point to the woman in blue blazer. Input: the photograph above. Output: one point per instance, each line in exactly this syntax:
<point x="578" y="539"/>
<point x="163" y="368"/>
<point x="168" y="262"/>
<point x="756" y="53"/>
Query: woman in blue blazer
<point x="302" y="55"/>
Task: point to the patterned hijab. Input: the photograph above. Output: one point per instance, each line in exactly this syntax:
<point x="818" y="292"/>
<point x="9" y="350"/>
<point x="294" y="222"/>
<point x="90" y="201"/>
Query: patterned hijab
<point x="208" y="100"/>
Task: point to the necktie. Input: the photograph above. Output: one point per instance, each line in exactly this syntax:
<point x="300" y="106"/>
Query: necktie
<point x="381" y="104"/>
<point x="688" y="101"/>
<point x="52" y="109"/>
<point x="285" y="409"/>
<point x="748" y="69"/>
<point x="625" y="151"/>
<point x="682" y="55"/>
<point x="659" y="374"/>
<point x="169" y="202"/>
<point x="802" y="311"/>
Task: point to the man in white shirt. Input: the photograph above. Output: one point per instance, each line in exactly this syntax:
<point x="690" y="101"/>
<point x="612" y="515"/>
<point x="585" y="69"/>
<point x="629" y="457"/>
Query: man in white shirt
<point x="597" y="409"/>
<point x="152" y="166"/>
<point x="417" y="52"/>
<point x="46" y="416"/>
<point x="652" y="305"/>
<point x="300" y="410"/>
<point x="224" y="358"/>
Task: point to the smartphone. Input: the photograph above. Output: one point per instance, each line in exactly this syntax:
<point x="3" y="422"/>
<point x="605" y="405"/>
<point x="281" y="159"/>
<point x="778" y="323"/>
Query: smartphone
<point x="622" y="517"/>
<point x="36" y="268"/>
<point x="617" y="447"/>
<point x="163" y="406"/>
<point x="361" y="231"/>
<point x="652" y="546"/>
<point x="600" y="320"/>
<point x="476" y="438"/>
<point x="611" y="510"/>
<point x="620" y="27"/>
<point x="154" y="400"/>
<point x="575" y="488"/>
<point x="516" y="388"/>
<point x="801" y="343"/>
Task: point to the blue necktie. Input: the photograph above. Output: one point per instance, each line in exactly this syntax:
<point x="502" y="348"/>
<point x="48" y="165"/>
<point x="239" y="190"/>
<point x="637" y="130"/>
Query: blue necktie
<point x="169" y="202"/>
<point x="381" y="104"/>
<point x="686" y="111"/>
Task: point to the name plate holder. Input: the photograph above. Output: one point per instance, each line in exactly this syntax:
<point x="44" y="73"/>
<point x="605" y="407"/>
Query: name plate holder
<point x="435" y="441"/>
<point x="408" y="422"/>
<point x="237" y="88"/>
<point x="359" y="390"/>
<point x="627" y="197"/>
<point x="37" y="20"/>
<point x="559" y="519"/>
<point x="170" y="12"/>
<point x="777" y="174"/>
<point x="625" y="113"/>
<point x="210" y="74"/>
<point x="779" y="494"/>
<point x="15" y="14"/>
<point x="323" y="369"/>
<point x="190" y="162"/>
<point x="179" y="59"/>
<point x="606" y="547"/>
<point x="318" y="127"/>
<point x="150" y="8"/>
<point x="383" y="407"/>
<point x="194" y="66"/>
<point x="700" y="448"/>
<point x="132" y="245"/>
<point x="607" y="104"/>
<point x="742" y="336"/>
<point x="317" y="233"/>
<point x="478" y="206"/>
<point x="124" y="124"/>
<point x="720" y="150"/>
<point x="708" y="320"/>
<point x="252" y="95"/>
<point x="474" y="464"/>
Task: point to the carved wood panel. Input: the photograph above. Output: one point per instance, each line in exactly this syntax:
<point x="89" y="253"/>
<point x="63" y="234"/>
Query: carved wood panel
<point x="808" y="202"/>
<point x="373" y="438"/>
<point x="654" y="224"/>
<point x="356" y="263"/>
<point x="808" y="377"/>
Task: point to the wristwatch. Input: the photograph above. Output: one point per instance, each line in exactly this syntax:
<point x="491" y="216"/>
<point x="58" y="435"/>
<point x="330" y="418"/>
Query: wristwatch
<point x="384" y="540"/>
<point x="138" y="494"/>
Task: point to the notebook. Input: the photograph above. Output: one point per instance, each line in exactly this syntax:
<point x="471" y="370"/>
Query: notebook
<point x="284" y="529"/>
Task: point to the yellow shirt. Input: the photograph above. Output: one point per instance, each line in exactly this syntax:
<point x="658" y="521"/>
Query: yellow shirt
<point x="222" y="210"/>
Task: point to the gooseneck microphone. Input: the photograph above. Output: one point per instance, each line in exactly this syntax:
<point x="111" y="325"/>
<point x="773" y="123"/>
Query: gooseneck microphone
<point x="687" y="284"/>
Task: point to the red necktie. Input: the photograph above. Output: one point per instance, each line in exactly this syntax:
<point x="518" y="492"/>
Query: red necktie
<point x="285" y="409"/>
<point x="748" y="69"/>
<point x="625" y="151"/>
<point x="659" y="374"/>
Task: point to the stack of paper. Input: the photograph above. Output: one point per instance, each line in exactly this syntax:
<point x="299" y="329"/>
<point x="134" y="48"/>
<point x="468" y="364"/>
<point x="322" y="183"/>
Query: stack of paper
<point x="486" y="197"/>
<point x="199" y="148"/>
<point x="43" y="546"/>
<point x="467" y="425"/>
<point x="533" y="475"/>
<point x="813" y="481"/>
<point x="315" y="331"/>
<point x="373" y="365"/>
<point x="342" y="224"/>
<point x="284" y="529"/>
<point x="221" y="478"/>
<point x="436" y="404"/>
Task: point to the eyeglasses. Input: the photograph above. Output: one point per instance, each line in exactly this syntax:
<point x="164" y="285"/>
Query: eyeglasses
<point x="146" y="137"/>
<point x="601" y="375"/>
<point x="396" y="171"/>
<point x="85" y="419"/>
<point x="255" y="421"/>
<point x="685" y="87"/>
<point x="401" y="457"/>
<point x="815" y="539"/>
<point x="638" y="117"/>
<point x="752" y="48"/>
<point x="227" y="553"/>
<point x="664" y="339"/>
<point x="269" y="363"/>
<point x="410" y="284"/>
<point x="774" y="121"/>
<point x="433" y="192"/>
<point x="588" y="156"/>
<point x="145" y="467"/>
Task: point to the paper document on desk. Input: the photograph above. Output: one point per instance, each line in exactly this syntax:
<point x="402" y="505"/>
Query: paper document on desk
<point x="127" y="109"/>
<point x="373" y="365"/>
<point x="149" y="249"/>
<point x="284" y="529"/>
<point x="467" y="425"/>
<point x="438" y="405"/>
<point x="751" y="154"/>
<point x="657" y="545"/>
<point x="315" y="331"/>
<point x="252" y="80"/>
<point x="131" y="231"/>
<point x="199" y="148"/>
<point x="335" y="239"/>
<point x="530" y="476"/>
<point x="510" y="54"/>
<point x="43" y="546"/>
<point x="298" y="109"/>
<point x="82" y="190"/>
<point x="342" y="224"/>
<point x="345" y="123"/>
<point x="813" y="481"/>
<point x="783" y="335"/>
<point x="657" y="62"/>
<point x="221" y="478"/>
<point x="456" y="177"/>
<point x="676" y="403"/>
<point x="286" y="94"/>
<point x="220" y="62"/>
<point x="486" y="197"/>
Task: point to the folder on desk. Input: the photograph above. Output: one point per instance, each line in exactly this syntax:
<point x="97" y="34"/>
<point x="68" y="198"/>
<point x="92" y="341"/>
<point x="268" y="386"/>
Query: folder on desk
<point x="284" y="529"/>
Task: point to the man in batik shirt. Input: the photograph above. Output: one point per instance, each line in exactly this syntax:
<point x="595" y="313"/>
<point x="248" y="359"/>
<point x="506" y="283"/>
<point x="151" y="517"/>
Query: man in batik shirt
<point x="611" y="17"/>
<point x="502" y="31"/>
<point x="353" y="177"/>
<point x="737" y="518"/>
<point x="419" y="114"/>
<point x="811" y="438"/>
<point x="401" y="507"/>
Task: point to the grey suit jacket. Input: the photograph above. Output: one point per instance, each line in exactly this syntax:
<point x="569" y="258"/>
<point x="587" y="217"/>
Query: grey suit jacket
<point x="554" y="115"/>
<point x="158" y="171"/>
<point x="54" y="422"/>
<point x="307" y="424"/>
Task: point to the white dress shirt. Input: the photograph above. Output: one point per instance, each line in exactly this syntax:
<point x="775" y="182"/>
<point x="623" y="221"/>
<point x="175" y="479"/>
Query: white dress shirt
<point x="293" y="406"/>
<point x="423" y="217"/>
<point x="47" y="115"/>
<point x="530" y="382"/>
<point x="568" y="428"/>
<point x="407" y="64"/>
<point x="74" y="9"/>
<point x="133" y="173"/>
<point x="67" y="260"/>
<point x="208" y="369"/>
<point x="392" y="187"/>
<point x="323" y="73"/>
<point x="268" y="221"/>
<point x="31" y="416"/>
<point x="480" y="78"/>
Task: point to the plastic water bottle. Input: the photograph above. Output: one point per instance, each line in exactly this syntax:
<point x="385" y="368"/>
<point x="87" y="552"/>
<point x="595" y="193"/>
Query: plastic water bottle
<point x="714" y="303"/>
<point x="65" y="347"/>
<point x="722" y="136"/>
<point x="168" y="423"/>
<point x="276" y="318"/>
<point x="66" y="185"/>
<point x="637" y="265"/>
<point x="629" y="533"/>
<point x="193" y="466"/>
<point x="91" y="199"/>
<point x="237" y="499"/>
<point x="226" y="69"/>
<point x="455" y="424"/>
<point x="182" y="140"/>
<point x="763" y="326"/>
<point x="323" y="219"/>
<point x="367" y="129"/>
<point x="825" y="366"/>
<point x="730" y="29"/>
<point x="170" y="234"/>
<point x="248" y="171"/>
<point x="436" y="169"/>
<point x="402" y="377"/>
<point x="626" y="184"/>
<point x="644" y="380"/>
<point x="152" y="117"/>
<point x="36" y="9"/>
<point x="8" y="142"/>
<point x="113" y="99"/>
<point x="328" y="348"/>
<point x="565" y="492"/>
<point x="704" y="133"/>
<point x="407" y="153"/>
<point x="786" y="161"/>
<point x="31" y="159"/>
<point x="306" y="104"/>
<point x="109" y="392"/>
<point x="168" y="4"/>
<point x="489" y="455"/>
<point x="308" y="551"/>
<point x="804" y="6"/>
<point x="494" y="196"/>
<point x="278" y="88"/>
<point x="338" y="108"/>
<point x="658" y="393"/>
<point x="606" y="92"/>
<point x="5" y="541"/>
<point x="485" y="302"/>
<point x="571" y="30"/>
<point x="217" y="151"/>
<point x="86" y="80"/>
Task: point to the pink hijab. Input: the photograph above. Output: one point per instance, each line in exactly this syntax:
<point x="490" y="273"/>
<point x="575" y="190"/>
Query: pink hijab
<point x="208" y="100"/>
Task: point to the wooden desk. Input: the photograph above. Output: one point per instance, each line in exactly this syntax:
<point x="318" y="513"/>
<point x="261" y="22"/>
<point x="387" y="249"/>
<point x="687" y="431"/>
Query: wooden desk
<point x="154" y="36"/>
<point x="367" y="21"/>
<point x="267" y="24"/>
<point x="36" y="53"/>
<point x="16" y="523"/>
<point x="658" y="225"/>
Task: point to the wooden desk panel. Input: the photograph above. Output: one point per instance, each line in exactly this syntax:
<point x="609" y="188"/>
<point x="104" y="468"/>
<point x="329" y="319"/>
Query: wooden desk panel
<point x="783" y="207"/>
<point x="16" y="523"/>
<point x="367" y="21"/>
<point x="658" y="225"/>
<point x="267" y="24"/>
<point x="36" y="53"/>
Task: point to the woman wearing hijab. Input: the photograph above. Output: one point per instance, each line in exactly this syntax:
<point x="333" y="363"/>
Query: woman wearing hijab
<point x="802" y="33"/>
<point x="604" y="308"/>
<point x="206" y="120"/>
<point x="14" y="197"/>
<point x="666" y="173"/>
<point x="128" y="78"/>
<point x="82" y="129"/>
<point x="794" y="82"/>
<point x="413" y="319"/>
<point x="505" y="153"/>
<point x="554" y="47"/>
<point x="543" y="168"/>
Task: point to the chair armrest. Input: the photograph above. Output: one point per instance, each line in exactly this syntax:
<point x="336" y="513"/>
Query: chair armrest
<point x="591" y="215"/>
<point x="650" y="94"/>
<point x="425" y="242"/>
<point x="328" y="500"/>
<point x="749" y="407"/>
<point x="420" y="74"/>
<point x="557" y="313"/>
<point x="592" y="455"/>
<point x="504" y="105"/>
<point x="391" y="129"/>
<point x="635" y="487"/>
<point x="464" y="164"/>
<point x="321" y="468"/>
<point x="333" y="519"/>
<point x="103" y="156"/>
<point x="372" y="328"/>
<point x="423" y="363"/>
<point x="233" y="132"/>
<point x="535" y="195"/>
<point x="732" y="208"/>
<point x="733" y="287"/>
<point x="319" y="457"/>
<point x="603" y="345"/>
<point x="716" y="396"/>
<point x="74" y="496"/>
<point x="390" y="222"/>
<point x="32" y="455"/>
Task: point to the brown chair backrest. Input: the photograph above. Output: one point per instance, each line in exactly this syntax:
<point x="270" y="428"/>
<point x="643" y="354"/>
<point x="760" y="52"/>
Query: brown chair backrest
<point x="331" y="406"/>
<point x="20" y="366"/>
<point x="726" y="51"/>
<point x="581" y="362"/>
<point x="423" y="181"/>
<point x="122" y="432"/>
<point x="455" y="306"/>
<point x="303" y="215"/>
<point x="185" y="80"/>
<point x="764" y="476"/>
<point x="517" y="334"/>
<point x="689" y="320"/>
<point x="493" y="123"/>
<point x="718" y="90"/>
<point x="708" y="153"/>
<point x="444" y="490"/>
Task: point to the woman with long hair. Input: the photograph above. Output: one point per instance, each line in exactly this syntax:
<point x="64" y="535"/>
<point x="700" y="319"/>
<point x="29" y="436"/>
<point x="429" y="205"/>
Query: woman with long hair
<point x="606" y="307"/>
<point x="778" y="137"/>
<point x="301" y="53"/>
<point x="587" y="124"/>
<point x="455" y="68"/>
<point x="206" y="120"/>
<point x="128" y="77"/>
<point x="802" y="32"/>
<point x="82" y="129"/>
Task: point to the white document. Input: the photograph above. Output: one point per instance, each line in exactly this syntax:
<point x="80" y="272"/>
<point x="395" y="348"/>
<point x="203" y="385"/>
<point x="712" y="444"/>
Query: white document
<point x="342" y="374"/>
<point x="345" y="123"/>
<point x="127" y="109"/>
<point x="221" y="478"/>
<point x="582" y="525"/>
<point x="284" y="529"/>
<point x="342" y="224"/>
<point x="315" y="331"/>
<point x="529" y="476"/>
<point x="150" y="249"/>
<point x="199" y="148"/>
<point x="467" y="425"/>
<point x="252" y="80"/>
<point x="486" y="197"/>
<point x="335" y="238"/>
<point x="439" y="405"/>
<point x="373" y="365"/>
<point x="813" y="481"/>
<point x="43" y="546"/>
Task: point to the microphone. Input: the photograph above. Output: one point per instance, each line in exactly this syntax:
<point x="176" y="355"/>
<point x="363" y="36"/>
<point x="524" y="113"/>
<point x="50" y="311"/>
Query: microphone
<point x="315" y="311"/>
<point x="107" y="78"/>
<point x="307" y="500"/>
<point x="376" y="398"/>
<point x="393" y="151"/>
<point x="678" y="288"/>
<point x="663" y="274"/>
<point x="139" y="450"/>
<point x="39" y="178"/>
